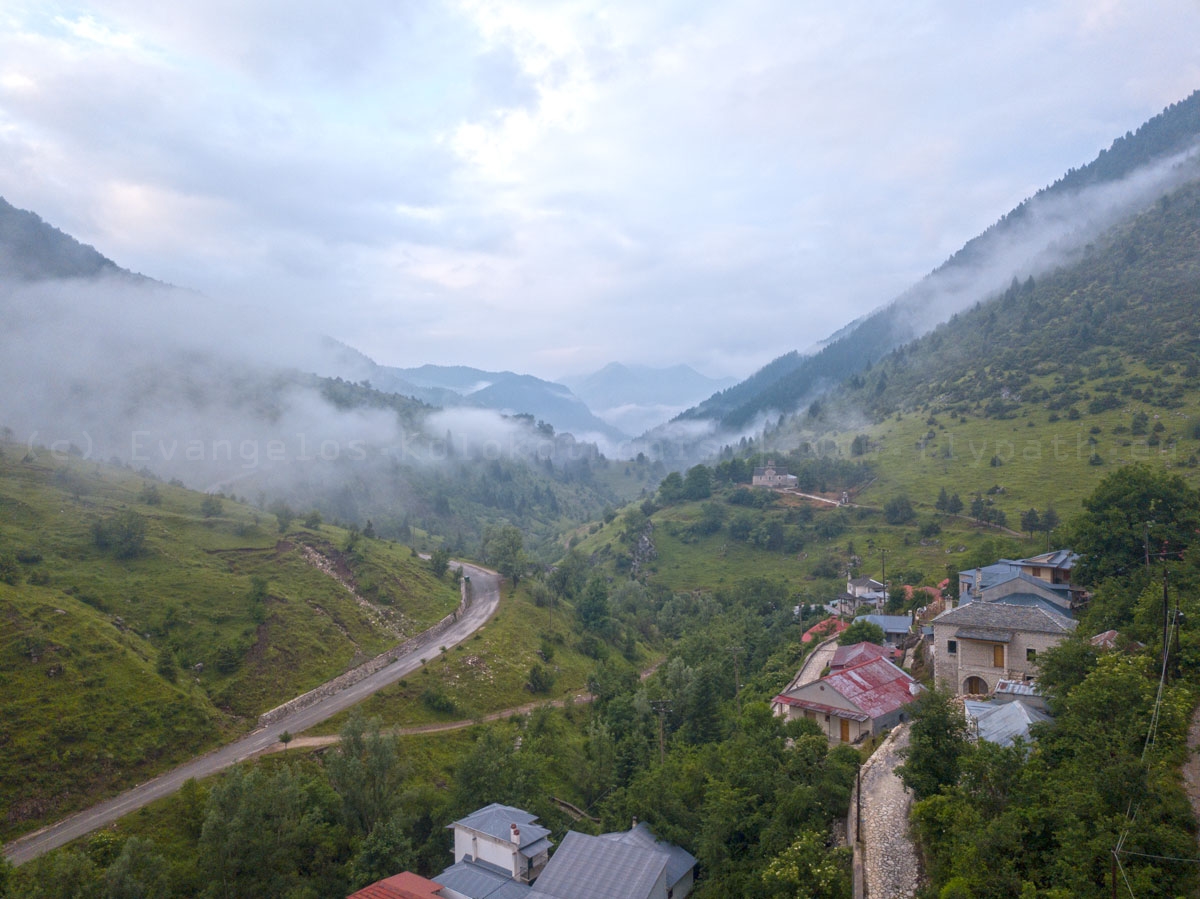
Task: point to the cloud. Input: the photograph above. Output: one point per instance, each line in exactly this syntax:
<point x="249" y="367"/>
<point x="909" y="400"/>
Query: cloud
<point x="577" y="182"/>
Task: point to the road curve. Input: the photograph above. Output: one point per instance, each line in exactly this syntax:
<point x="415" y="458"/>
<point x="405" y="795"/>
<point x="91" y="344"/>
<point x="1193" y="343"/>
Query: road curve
<point x="483" y="604"/>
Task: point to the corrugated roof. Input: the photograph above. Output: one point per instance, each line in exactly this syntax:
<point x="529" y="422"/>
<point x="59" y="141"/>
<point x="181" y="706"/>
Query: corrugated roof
<point x="1058" y="558"/>
<point x="405" y="885"/>
<point x="679" y="860"/>
<point x="1004" y="616"/>
<point x="876" y="687"/>
<point x="1002" y="723"/>
<point x="823" y="708"/>
<point x="587" y="867"/>
<point x="496" y="821"/>
<point x="482" y="880"/>
<point x="856" y="653"/>
<point x="1015" y="688"/>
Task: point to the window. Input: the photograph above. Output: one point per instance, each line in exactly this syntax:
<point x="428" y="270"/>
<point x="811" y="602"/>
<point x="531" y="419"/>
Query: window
<point x="1030" y="654"/>
<point x="997" y="656"/>
<point x="951" y="646"/>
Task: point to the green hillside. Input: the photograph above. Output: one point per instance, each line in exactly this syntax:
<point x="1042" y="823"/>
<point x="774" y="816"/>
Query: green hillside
<point x="195" y="616"/>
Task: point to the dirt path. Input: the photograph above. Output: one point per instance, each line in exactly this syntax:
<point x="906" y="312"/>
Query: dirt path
<point x="890" y="867"/>
<point x="442" y="726"/>
<point x="483" y="603"/>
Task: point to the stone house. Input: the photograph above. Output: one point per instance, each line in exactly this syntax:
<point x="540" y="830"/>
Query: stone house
<point x="770" y="476"/>
<point x="978" y="644"/>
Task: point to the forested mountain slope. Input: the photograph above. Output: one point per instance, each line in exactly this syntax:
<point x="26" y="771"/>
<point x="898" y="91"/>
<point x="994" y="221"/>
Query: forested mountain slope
<point x="1118" y="181"/>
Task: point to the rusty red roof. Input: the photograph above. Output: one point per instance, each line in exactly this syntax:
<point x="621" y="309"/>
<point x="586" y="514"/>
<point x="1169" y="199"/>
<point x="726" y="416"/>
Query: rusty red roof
<point x="876" y="687"/>
<point x="405" y="885"/>
<point x="856" y="654"/>
<point x="811" y="706"/>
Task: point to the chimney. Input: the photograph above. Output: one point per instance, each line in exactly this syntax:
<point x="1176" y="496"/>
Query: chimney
<point x="634" y="822"/>
<point x="978" y="583"/>
<point x="514" y="834"/>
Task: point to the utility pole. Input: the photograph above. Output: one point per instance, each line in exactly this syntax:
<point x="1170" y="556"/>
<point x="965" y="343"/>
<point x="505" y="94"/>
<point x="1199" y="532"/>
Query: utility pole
<point x="1166" y="619"/>
<point x="883" y="553"/>
<point x="661" y="707"/>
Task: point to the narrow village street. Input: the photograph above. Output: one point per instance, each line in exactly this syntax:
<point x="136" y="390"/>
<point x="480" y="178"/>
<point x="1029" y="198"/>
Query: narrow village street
<point x="889" y="859"/>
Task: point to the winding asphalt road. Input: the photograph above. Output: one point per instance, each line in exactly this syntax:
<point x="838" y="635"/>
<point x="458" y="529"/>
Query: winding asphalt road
<point x="484" y="601"/>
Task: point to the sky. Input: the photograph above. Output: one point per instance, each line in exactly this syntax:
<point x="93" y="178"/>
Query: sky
<point x="547" y="187"/>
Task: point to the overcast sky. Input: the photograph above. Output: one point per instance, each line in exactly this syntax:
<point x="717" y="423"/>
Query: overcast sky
<point x="551" y="186"/>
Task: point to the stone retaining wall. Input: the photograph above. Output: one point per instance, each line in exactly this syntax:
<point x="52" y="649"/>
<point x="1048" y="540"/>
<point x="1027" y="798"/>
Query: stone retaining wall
<point x="366" y="669"/>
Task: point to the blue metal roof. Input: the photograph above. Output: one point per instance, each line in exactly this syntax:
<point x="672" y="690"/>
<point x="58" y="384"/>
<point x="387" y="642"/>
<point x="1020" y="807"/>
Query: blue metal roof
<point x="496" y="821"/>
<point x="482" y="880"/>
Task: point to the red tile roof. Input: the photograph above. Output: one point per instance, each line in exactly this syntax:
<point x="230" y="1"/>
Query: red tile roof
<point x="822" y="629"/>
<point x="405" y="885"/>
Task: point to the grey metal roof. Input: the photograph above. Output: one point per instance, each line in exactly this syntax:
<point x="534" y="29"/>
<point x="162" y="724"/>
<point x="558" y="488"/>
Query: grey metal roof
<point x="1005" y="616"/>
<point x="536" y="848"/>
<point x="496" y="821"/>
<point x="1057" y="558"/>
<point x="679" y="860"/>
<point x="587" y="867"/>
<point x="1002" y="723"/>
<point x="482" y="880"/>
<point x="1032" y="599"/>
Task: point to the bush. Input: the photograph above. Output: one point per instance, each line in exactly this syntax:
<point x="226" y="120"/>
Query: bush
<point x="541" y="679"/>
<point x="899" y="510"/>
<point x="437" y="701"/>
<point x="124" y="534"/>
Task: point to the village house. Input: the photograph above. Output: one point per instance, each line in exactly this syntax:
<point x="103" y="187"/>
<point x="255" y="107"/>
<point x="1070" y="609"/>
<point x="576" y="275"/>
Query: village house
<point x="630" y="864"/>
<point x="503" y="836"/>
<point x="770" y="476"/>
<point x="978" y="644"/>
<point x="633" y="863"/>
<point x="854" y="703"/>
<point x="1046" y="577"/>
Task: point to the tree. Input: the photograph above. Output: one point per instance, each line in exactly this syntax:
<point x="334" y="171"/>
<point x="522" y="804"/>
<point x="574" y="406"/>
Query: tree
<point x="898" y="510"/>
<point x="1031" y="521"/>
<point x="862" y="631"/>
<point x="671" y="489"/>
<point x="1127" y="506"/>
<point x="937" y="742"/>
<point x="366" y="772"/>
<point x="385" y="851"/>
<point x="955" y="505"/>
<point x="943" y="501"/>
<point x="503" y="547"/>
<point x="284" y="516"/>
<point x="698" y="483"/>
<point x="210" y="506"/>
<point x="592" y="608"/>
<point x="313" y="520"/>
<point x="439" y="561"/>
